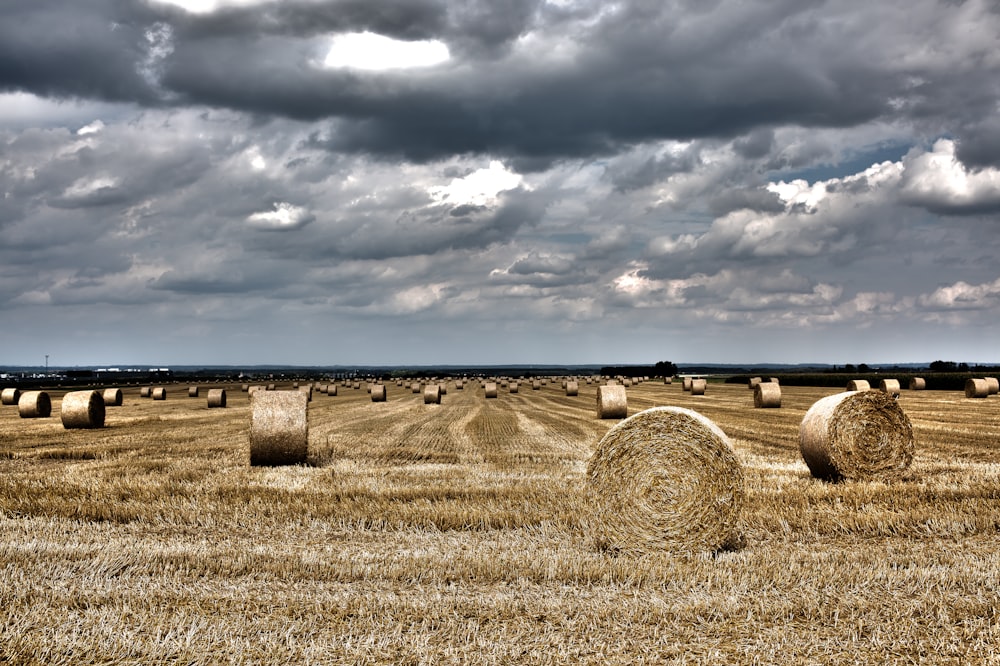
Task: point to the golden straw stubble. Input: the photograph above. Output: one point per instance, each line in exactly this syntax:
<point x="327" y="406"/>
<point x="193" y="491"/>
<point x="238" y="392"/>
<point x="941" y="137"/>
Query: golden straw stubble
<point x="666" y="478"/>
<point x="857" y="436"/>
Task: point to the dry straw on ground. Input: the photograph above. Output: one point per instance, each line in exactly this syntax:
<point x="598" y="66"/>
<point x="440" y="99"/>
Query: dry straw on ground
<point x="612" y="402"/>
<point x="216" y="398"/>
<point x="698" y="386"/>
<point x="432" y="394"/>
<point x="279" y="428"/>
<point x="858" y="385"/>
<point x="858" y="436"/>
<point x="889" y="387"/>
<point x="766" y="395"/>
<point x="160" y="393"/>
<point x="34" y="405"/>
<point x="572" y="388"/>
<point x="976" y="388"/>
<point x="378" y="393"/>
<point x="112" y="397"/>
<point x="918" y="383"/>
<point x="665" y="479"/>
<point x="491" y="389"/>
<point x="10" y="396"/>
<point x="82" y="409"/>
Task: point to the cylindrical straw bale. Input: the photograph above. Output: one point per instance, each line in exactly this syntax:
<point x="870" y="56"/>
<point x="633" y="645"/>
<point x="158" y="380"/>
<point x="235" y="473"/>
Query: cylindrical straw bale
<point x="279" y="428"/>
<point x="112" y="397"/>
<point x="491" y="389"/>
<point x="698" y="386"/>
<point x="536" y="385"/>
<point x="432" y="394"/>
<point x="244" y="388"/>
<point x="918" y="383"/>
<point x="572" y="388"/>
<point x="766" y="394"/>
<point x="753" y="382"/>
<point x="513" y="387"/>
<point x="858" y="385"/>
<point x="976" y="388"/>
<point x="612" y="402"/>
<point x="626" y="382"/>
<point x="889" y="387"/>
<point x="686" y="384"/>
<point x="272" y="387"/>
<point x="856" y="435"/>
<point x="666" y="380"/>
<point x="308" y="390"/>
<point x="34" y="405"/>
<point x="444" y="388"/>
<point x="216" y="398"/>
<point x="146" y="392"/>
<point x="775" y="380"/>
<point x="415" y="387"/>
<point x="378" y="393"/>
<point x="992" y="385"/>
<point x="665" y="479"/>
<point x="331" y="389"/>
<point x="160" y="393"/>
<point x="459" y="386"/>
<point x="193" y="391"/>
<point x="82" y="409"/>
<point x="10" y="396"/>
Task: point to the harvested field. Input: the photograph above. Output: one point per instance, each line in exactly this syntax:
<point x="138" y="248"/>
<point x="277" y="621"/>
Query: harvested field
<point x="457" y="535"/>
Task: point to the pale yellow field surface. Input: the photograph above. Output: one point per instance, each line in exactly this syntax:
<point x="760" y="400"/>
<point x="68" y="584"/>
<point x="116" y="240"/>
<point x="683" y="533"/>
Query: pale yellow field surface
<point x="457" y="534"/>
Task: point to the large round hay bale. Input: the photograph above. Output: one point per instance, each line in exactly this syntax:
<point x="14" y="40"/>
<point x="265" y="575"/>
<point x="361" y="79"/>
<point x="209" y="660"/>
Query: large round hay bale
<point x="112" y="397"/>
<point x="918" y="383"/>
<point x="82" y="409"/>
<point x="216" y="398"/>
<point x="491" y="389"/>
<point x="858" y="385"/>
<point x="160" y="393"/>
<point x="992" y="385"/>
<point x="10" y="396"/>
<point x="857" y="435"/>
<point x="279" y="428"/>
<point x="331" y="389"/>
<point x="976" y="388"/>
<point x="612" y="402"/>
<point x="665" y="479"/>
<point x="686" y="384"/>
<point x="572" y="388"/>
<point x="308" y="391"/>
<point x="378" y="393"/>
<point x="698" y="386"/>
<point x="754" y="381"/>
<point x="766" y="395"/>
<point x="432" y="394"/>
<point x="193" y="391"/>
<point x="889" y="387"/>
<point x="34" y="405"/>
<point x="146" y="392"/>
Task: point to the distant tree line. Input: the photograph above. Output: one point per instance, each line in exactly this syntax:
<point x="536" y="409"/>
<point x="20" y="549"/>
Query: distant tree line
<point x="660" y="369"/>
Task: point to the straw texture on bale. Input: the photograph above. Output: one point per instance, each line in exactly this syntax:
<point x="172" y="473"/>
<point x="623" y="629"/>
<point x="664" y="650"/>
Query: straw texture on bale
<point x="992" y="385"/>
<point x="146" y="392"/>
<point x="432" y="394"/>
<point x="415" y="387"/>
<point x="491" y="389"/>
<point x="112" y="397"/>
<point x="378" y="393"/>
<point x="536" y="385"/>
<point x="918" y="383"/>
<point x="976" y="388"/>
<point x="612" y="402"/>
<point x="444" y="389"/>
<point x="753" y="382"/>
<point x="459" y="386"/>
<point x="766" y="395"/>
<point x="279" y="428"/>
<point x="160" y="393"/>
<point x="308" y="391"/>
<point x="572" y="388"/>
<point x="857" y="436"/>
<point x="216" y="398"/>
<point x="331" y="389"/>
<point x="34" y="405"/>
<point x="858" y="385"/>
<point x="272" y="387"/>
<point x="686" y="384"/>
<point x="665" y="479"/>
<point x="889" y="387"/>
<point x="10" y="396"/>
<point x="666" y="380"/>
<point x="698" y="386"/>
<point x="82" y="409"/>
<point x="193" y="391"/>
<point x="244" y="388"/>
<point x="513" y="387"/>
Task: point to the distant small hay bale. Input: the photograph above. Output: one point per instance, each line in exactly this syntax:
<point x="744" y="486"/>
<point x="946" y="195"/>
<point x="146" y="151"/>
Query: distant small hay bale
<point x="918" y="383"/>
<point x="976" y="388"/>
<point x="993" y="385"/>
<point x="698" y="386"/>
<point x="216" y="398"/>
<point x="626" y="382"/>
<point x="774" y="380"/>
<point x="858" y="385"/>
<point x="245" y="388"/>
<point x="665" y="479"/>
<point x="415" y="387"/>
<point x="193" y="391"/>
<point x="666" y="380"/>
<point x="146" y="392"/>
<point x="686" y="384"/>
<point x="858" y="436"/>
<point x="536" y="385"/>
<point x="766" y="395"/>
<point x="589" y="381"/>
<point x="572" y="388"/>
<point x="279" y="428"/>
<point x="331" y="390"/>
<point x="491" y="389"/>
<point x="444" y="389"/>
<point x="112" y="397"/>
<point x="378" y="393"/>
<point x="272" y="387"/>
<point x="357" y="385"/>
<point x="82" y="409"/>
<point x="432" y="394"/>
<point x="459" y="386"/>
<point x="889" y="387"/>
<point x="160" y="393"/>
<point x="10" y="396"/>
<point x="612" y="402"/>
<point x="34" y="405"/>
<point x="754" y="381"/>
<point x="513" y="387"/>
<point x="295" y="385"/>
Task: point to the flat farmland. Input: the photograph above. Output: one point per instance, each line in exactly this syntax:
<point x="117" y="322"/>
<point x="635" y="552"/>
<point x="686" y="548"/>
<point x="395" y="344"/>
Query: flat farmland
<point x="458" y="533"/>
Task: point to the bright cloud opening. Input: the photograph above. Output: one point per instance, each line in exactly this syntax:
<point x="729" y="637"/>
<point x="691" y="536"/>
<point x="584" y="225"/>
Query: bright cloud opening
<point x="480" y="187"/>
<point x="209" y="6"/>
<point x="373" y="52"/>
<point x="284" y="216"/>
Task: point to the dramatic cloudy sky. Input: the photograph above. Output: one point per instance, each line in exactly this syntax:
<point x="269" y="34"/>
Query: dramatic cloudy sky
<point x="499" y="181"/>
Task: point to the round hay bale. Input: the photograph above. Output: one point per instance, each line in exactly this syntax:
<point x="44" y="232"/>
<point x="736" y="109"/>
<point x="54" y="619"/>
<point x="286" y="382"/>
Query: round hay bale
<point x="10" y="396"/>
<point x="754" y="381"/>
<point x="612" y="402"/>
<point x="112" y="397"/>
<point x="444" y="389"/>
<point x="686" y="384"/>
<point x="858" y="385"/>
<point x="271" y="387"/>
<point x="698" y="386"/>
<point x="666" y="478"/>
<point x="513" y="387"/>
<point x="918" y="383"/>
<point x="626" y="382"/>
<point x="245" y="388"/>
<point x="415" y="387"/>
<point x="459" y="386"/>
<point x="146" y="392"/>
<point x="491" y="389"/>
<point x="976" y="388"/>
<point x="432" y="394"/>
<point x="857" y="435"/>
<point x="193" y="391"/>
<point x="160" y="393"/>
<point x="308" y="391"/>
<point x="279" y="428"/>
<point x="992" y="385"/>
<point x="331" y="390"/>
<point x="889" y="387"/>
<point x="34" y="405"/>
<point x="666" y="380"/>
<point x="774" y="380"/>
<point x="536" y="385"/>
<point x="767" y="395"/>
<point x="216" y="398"/>
<point x="572" y="388"/>
<point x="378" y="393"/>
<point x="82" y="409"/>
